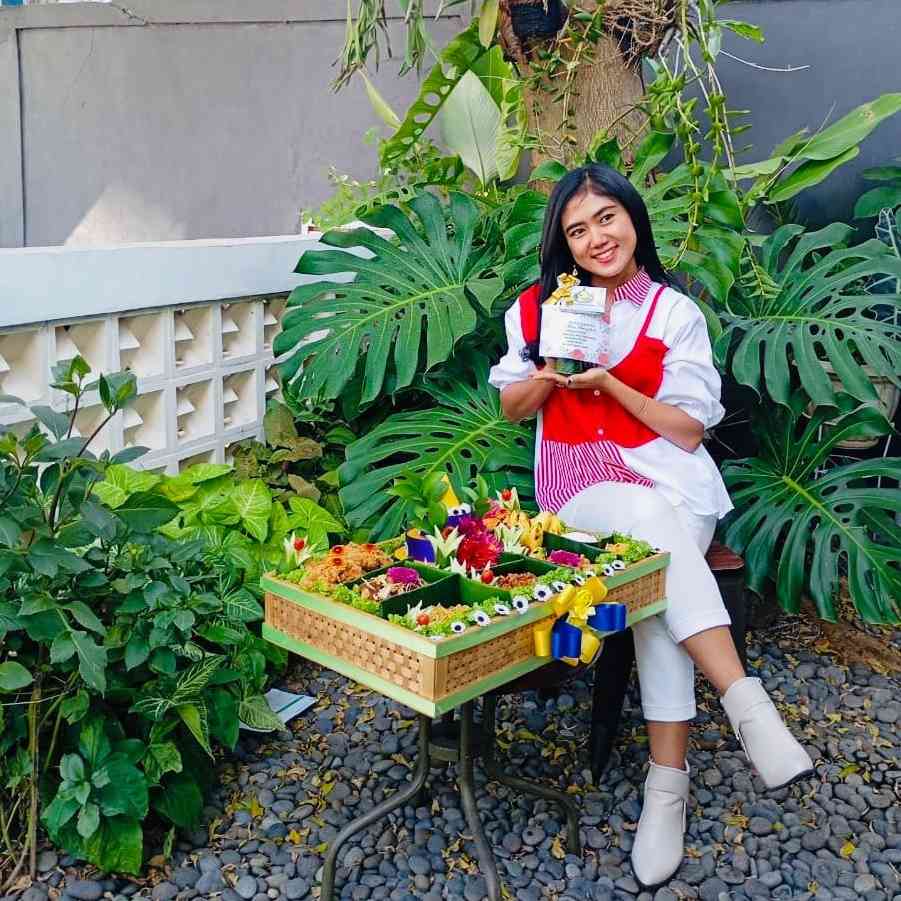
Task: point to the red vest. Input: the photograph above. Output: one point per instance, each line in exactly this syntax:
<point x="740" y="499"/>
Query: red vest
<point x="583" y="415"/>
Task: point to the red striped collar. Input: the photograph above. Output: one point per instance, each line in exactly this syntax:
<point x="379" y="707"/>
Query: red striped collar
<point x="635" y="290"/>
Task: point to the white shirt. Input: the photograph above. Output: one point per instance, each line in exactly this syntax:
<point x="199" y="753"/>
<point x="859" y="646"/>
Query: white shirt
<point x="690" y="382"/>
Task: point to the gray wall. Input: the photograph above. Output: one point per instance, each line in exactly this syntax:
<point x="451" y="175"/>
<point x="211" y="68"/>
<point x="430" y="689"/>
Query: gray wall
<point x="852" y="50"/>
<point x="172" y="119"/>
<point x="177" y="118"/>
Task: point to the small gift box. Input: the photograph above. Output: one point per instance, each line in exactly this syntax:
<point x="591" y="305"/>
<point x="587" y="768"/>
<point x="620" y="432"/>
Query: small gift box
<point x="575" y="325"/>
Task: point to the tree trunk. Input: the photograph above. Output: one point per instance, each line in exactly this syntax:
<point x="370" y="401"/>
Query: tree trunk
<point x="600" y="96"/>
<point x="587" y="90"/>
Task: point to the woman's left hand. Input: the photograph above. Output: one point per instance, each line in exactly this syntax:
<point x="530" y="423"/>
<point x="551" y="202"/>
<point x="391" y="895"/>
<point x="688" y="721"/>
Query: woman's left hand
<point x="596" y="378"/>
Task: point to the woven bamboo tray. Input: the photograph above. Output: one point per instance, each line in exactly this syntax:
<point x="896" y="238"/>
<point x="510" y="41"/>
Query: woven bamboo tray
<point x="433" y="677"/>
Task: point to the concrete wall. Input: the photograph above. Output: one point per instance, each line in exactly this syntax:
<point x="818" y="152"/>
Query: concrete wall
<point x="851" y="49"/>
<point x="171" y="119"/>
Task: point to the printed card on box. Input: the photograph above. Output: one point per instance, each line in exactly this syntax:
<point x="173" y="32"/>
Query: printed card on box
<point x="577" y="330"/>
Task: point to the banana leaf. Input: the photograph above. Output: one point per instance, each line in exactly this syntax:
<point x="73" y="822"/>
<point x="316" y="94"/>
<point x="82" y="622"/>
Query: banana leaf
<point x="462" y="435"/>
<point x="818" y="311"/>
<point x="804" y="522"/>
<point x="419" y="290"/>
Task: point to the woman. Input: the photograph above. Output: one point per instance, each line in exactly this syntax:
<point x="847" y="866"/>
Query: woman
<point x="619" y="449"/>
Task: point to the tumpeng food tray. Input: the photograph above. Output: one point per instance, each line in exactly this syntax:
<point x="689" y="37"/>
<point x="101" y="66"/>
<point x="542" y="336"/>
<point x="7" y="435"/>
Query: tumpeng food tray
<point x="429" y="676"/>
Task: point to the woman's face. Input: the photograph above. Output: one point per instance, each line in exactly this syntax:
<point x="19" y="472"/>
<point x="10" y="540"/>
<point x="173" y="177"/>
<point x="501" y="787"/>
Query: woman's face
<point x="601" y="238"/>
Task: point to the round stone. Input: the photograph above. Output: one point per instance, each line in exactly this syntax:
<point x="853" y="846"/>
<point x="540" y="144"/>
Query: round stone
<point x="533" y="835"/>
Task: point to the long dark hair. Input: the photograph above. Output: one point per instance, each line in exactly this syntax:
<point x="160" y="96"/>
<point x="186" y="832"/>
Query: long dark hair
<point x="556" y="257"/>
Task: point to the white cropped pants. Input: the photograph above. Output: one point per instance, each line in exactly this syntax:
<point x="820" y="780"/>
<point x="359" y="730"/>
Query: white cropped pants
<point x="665" y="671"/>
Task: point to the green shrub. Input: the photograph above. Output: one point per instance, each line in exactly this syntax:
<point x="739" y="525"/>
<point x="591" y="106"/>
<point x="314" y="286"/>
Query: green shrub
<point x="127" y="655"/>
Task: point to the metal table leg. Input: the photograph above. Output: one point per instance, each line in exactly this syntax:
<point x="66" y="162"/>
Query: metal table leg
<point x="487" y="863"/>
<point x="398" y="799"/>
<point x="570" y="810"/>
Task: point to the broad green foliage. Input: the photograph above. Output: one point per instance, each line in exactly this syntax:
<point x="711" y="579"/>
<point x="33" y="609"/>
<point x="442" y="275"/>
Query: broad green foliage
<point x="464" y="434"/>
<point x="411" y="299"/>
<point x="130" y="649"/>
<point x="802" y="528"/>
<point x="885" y="197"/>
<point x="807" y="303"/>
<point x="818" y="155"/>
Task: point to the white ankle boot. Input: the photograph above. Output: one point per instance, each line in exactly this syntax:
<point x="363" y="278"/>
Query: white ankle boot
<point x="659" y="843"/>
<point x="771" y="748"/>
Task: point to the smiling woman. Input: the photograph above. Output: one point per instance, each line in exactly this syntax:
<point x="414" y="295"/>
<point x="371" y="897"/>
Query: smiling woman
<point x="619" y="449"/>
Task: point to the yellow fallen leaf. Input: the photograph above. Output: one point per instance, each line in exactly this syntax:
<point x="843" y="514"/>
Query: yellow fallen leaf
<point x="847" y="849"/>
<point x="557" y="848"/>
<point x="846" y="771"/>
<point x="254" y="808"/>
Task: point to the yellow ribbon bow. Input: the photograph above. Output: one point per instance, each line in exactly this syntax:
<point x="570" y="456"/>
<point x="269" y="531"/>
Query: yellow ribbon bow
<point x="577" y="604"/>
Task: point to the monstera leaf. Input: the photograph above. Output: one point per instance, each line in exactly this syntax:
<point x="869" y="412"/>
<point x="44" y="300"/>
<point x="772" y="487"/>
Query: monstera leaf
<point x="810" y="306"/>
<point x="421" y="288"/>
<point x="464" y="434"/>
<point x="803" y="529"/>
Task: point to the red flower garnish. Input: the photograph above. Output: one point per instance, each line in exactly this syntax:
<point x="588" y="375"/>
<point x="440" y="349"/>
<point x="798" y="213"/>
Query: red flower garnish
<point x="446" y="531"/>
<point x="299" y="544"/>
<point x="487" y="577"/>
<point x="479" y="549"/>
<point x="338" y="550"/>
<point x="506" y="494"/>
<point x="422" y="619"/>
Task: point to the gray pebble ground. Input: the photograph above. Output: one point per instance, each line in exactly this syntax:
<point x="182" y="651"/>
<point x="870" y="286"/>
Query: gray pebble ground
<point x="283" y="798"/>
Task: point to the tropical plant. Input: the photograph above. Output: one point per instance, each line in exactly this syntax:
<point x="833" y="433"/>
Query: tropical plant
<point x="885" y="197"/>
<point x="802" y="161"/>
<point x="294" y="464"/>
<point x="804" y="301"/>
<point x="410" y="301"/>
<point x="805" y="522"/>
<point x="788" y="313"/>
<point x="124" y="655"/>
<point x="462" y="435"/>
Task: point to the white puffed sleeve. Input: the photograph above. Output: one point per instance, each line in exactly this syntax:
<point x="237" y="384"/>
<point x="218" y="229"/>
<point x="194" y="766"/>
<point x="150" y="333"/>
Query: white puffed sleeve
<point x="512" y="367"/>
<point x="690" y="380"/>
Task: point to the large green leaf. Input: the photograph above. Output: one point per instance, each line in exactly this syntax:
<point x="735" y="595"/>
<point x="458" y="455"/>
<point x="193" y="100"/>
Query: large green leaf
<point x="253" y="501"/>
<point x="179" y="800"/>
<point x="420" y="289"/>
<point x="461" y="436"/>
<point x="470" y="124"/>
<point x="146" y="511"/>
<point x="117" y="846"/>
<point x="14" y="676"/>
<point x="126" y="791"/>
<point x="256" y="713"/>
<point x="120" y="481"/>
<point x="91" y="660"/>
<point x="818" y="155"/>
<point x="803" y="527"/>
<point x="816" y="309"/>
<point x="315" y="521"/>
